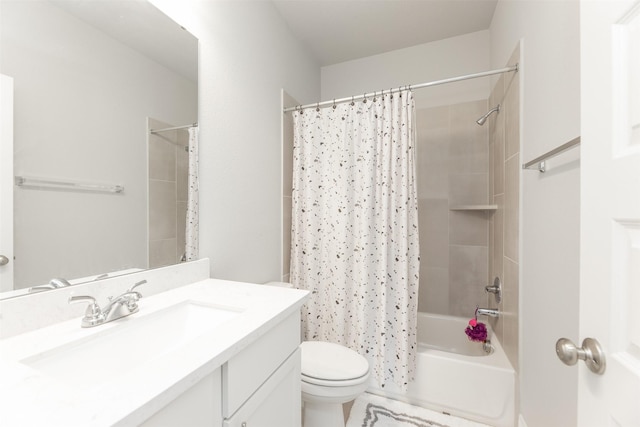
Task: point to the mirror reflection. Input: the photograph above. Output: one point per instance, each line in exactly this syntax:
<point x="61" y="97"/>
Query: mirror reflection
<point x="90" y="80"/>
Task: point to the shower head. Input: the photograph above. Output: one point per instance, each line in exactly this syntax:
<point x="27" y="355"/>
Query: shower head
<point x="483" y="119"/>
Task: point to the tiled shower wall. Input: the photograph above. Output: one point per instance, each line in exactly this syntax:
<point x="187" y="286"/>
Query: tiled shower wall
<point x="453" y="170"/>
<point x="461" y="163"/>
<point x="504" y="191"/>
<point x="168" y="183"/>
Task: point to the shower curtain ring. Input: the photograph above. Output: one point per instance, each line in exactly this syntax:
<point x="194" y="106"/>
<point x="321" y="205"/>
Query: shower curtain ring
<point x="334" y="103"/>
<point x="352" y="103"/>
<point x="390" y="93"/>
<point x="317" y="106"/>
<point x="364" y="101"/>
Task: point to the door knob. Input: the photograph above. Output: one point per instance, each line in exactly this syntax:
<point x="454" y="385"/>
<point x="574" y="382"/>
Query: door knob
<point x="3" y="260"/>
<point x="591" y="352"/>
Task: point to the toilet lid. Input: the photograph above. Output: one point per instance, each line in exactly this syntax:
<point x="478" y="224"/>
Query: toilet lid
<point x="329" y="361"/>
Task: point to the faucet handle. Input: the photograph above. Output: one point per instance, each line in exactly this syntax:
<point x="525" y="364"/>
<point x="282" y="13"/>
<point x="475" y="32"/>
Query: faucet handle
<point x="131" y="298"/>
<point x="135" y="285"/>
<point x="93" y="314"/>
<point x="495" y="289"/>
<point x="59" y="282"/>
<point x="54" y="283"/>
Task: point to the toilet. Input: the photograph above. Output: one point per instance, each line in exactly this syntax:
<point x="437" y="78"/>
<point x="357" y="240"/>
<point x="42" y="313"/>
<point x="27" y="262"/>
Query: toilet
<point x="331" y="375"/>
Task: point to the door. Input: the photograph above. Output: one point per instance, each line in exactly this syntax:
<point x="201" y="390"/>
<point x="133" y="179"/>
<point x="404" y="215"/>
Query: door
<point x="6" y="183"/>
<point x="610" y="210"/>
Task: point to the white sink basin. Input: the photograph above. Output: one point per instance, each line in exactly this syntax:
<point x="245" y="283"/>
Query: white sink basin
<point x="101" y="357"/>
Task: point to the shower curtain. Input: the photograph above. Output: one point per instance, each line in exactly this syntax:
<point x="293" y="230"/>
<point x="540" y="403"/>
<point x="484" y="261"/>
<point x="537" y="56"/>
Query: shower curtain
<point x="191" y="247"/>
<point x="355" y="230"/>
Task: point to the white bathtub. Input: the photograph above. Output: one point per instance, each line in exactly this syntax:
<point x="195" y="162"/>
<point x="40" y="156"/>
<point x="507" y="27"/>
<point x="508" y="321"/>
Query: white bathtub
<point x="474" y="385"/>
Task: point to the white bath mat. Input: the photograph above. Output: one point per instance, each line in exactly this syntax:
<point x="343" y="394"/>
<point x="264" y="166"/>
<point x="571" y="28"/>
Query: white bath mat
<point x="370" y="410"/>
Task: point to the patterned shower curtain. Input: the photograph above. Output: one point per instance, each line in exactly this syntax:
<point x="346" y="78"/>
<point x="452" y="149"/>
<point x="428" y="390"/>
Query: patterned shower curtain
<point x="192" y="243"/>
<point x="355" y="230"/>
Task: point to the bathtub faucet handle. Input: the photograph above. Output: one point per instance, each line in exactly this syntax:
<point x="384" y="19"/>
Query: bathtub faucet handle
<point x="495" y="289"/>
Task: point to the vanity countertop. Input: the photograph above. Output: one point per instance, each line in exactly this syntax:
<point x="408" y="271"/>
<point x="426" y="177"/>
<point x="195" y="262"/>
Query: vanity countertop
<point x="30" y="397"/>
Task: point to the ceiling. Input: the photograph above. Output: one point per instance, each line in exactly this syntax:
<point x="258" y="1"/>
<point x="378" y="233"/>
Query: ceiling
<point x="341" y="30"/>
<point x="333" y="31"/>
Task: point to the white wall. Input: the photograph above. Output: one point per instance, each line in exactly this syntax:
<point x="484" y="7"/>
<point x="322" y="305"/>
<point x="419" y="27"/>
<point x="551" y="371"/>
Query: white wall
<point x="81" y="106"/>
<point x="247" y="55"/>
<point x="549" y="283"/>
<point x="413" y="65"/>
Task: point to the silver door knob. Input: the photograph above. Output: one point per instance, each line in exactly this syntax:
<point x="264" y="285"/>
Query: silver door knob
<point x="3" y="260"/>
<point x="591" y="352"/>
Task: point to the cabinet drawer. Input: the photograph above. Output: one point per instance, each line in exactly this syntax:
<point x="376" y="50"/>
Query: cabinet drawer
<point x="249" y="369"/>
<point x="276" y="403"/>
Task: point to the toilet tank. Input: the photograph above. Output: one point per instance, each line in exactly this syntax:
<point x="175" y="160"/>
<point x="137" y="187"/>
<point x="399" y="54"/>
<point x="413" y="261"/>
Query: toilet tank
<point x="287" y="285"/>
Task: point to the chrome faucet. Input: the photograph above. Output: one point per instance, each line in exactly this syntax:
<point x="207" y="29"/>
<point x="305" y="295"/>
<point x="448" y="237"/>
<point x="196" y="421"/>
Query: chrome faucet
<point x="118" y="307"/>
<point x="55" y="283"/>
<point x="488" y="312"/>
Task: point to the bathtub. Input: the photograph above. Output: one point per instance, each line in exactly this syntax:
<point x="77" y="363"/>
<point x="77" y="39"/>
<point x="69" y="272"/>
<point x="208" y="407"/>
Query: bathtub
<point x="457" y="376"/>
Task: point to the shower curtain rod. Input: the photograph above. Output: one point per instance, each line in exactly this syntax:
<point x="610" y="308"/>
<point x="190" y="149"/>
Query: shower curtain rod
<point x="409" y="87"/>
<point x="192" y="125"/>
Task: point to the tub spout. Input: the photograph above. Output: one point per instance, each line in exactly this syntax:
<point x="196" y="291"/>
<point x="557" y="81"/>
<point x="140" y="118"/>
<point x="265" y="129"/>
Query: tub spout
<point x="488" y="312"/>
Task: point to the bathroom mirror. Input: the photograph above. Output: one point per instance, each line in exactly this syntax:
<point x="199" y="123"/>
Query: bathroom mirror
<point x="89" y="78"/>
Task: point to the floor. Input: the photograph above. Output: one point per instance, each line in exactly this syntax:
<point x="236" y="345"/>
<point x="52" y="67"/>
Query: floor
<point x="346" y="408"/>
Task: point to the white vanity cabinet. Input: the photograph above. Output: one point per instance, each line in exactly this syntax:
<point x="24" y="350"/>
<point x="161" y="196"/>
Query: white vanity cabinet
<point x="258" y="387"/>
<point x="261" y="384"/>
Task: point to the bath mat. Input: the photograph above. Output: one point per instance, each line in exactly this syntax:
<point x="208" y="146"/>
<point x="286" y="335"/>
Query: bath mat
<point x="370" y="410"/>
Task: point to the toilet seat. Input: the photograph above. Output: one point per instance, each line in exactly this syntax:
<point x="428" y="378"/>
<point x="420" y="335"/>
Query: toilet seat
<point x="335" y="383"/>
<point x="329" y="364"/>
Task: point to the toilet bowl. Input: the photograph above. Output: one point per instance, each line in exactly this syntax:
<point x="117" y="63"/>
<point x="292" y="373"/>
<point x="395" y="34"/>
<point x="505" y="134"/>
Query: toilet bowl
<point x="331" y="375"/>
